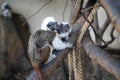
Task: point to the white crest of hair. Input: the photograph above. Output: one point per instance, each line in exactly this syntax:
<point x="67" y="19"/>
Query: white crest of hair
<point x="3" y="5"/>
<point x="46" y="21"/>
<point x="65" y="23"/>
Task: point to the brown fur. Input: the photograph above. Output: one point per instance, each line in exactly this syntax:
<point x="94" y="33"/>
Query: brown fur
<point x="22" y="29"/>
<point x="39" y="49"/>
<point x="38" y="52"/>
<point x="12" y="56"/>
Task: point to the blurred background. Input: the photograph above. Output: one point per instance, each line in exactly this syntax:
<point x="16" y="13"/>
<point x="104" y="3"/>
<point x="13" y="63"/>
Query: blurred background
<point x="27" y="16"/>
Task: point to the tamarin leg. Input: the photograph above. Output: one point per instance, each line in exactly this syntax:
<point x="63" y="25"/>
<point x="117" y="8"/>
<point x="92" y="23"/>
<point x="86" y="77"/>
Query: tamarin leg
<point x="38" y="71"/>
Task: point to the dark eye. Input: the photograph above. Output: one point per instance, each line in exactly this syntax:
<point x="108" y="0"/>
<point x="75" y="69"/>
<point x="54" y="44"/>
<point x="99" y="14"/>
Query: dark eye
<point x="53" y="24"/>
<point x="48" y="25"/>
<point x="68" y="27"/>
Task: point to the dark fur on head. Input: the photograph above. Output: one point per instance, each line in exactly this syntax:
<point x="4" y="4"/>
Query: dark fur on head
<point x="52" y="25"/>
<point x="5" y="6"/>
<point x="63" y="28"/>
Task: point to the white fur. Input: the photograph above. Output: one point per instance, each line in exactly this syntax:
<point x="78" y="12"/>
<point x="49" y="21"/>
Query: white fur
<point x="65" y="23"/>
<point x="59" y="45"/>
<point x="7" y="13"/>
<point x="3" y="5"/>
<point x="63" y="34"/>
<point x="46" y="21"/>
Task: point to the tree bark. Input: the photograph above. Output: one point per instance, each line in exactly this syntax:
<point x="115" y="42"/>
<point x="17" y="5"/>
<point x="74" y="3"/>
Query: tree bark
<point x="102" y="57"/>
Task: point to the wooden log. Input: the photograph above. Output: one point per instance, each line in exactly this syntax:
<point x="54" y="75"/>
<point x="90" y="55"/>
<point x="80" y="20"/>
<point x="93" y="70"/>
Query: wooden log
<point x="103" y="58"/>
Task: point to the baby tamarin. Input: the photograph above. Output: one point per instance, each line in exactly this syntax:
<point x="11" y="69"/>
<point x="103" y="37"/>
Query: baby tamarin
<point x="42" y="43"/>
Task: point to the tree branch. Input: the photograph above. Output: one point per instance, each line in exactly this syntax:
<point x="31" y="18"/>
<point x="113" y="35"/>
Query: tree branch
<point x="112" y="36"/>
<point x="104" y="27"/>
<point x="96" y="68"/>
<point x="112" y="10"/>
<point x="76" y="6"/>
<point x="96" y="23"/>
<point x="102" y="57"/>
<point x="113" y="7"/>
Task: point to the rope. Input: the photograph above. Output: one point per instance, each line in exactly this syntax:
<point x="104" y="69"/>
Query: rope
<point x="86" y="24"/>
<point x="71" y="58"/>
<point x="78" y="70"/>
<point x="70" y="66"/>
<point x="75" y="62"/>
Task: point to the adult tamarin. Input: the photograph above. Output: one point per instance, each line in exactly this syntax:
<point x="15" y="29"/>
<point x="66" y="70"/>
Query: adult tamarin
<point x="42" y="43"/>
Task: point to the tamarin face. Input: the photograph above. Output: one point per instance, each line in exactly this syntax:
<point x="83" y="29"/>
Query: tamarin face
<point x="63" y="30"/>
<point x="49" y="23"/>
<point x="52" y="26"/>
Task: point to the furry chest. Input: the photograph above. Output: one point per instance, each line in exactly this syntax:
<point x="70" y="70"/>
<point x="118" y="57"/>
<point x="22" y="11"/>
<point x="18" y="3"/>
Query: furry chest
<point x="58" y="44"/>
